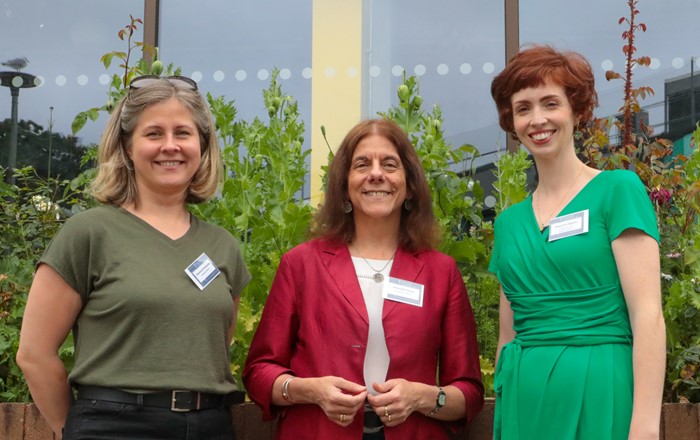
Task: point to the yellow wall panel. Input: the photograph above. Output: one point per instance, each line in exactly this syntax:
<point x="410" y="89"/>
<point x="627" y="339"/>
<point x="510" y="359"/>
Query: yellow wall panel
<point x="336" y="91"/>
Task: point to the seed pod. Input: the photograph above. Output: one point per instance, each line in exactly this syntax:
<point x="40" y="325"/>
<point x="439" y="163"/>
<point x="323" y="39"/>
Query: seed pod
<point x="157" y="67"/>
<point x="403" y="92"/>
<point x="271" y="110"/>
<point x="417" y="101"/>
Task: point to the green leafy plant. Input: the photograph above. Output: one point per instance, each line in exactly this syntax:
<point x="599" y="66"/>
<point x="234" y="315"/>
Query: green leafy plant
<point x="33" y="209"/>
<point x="457" y="204"/>
<point x="119" y="84"/>
<point x="511" y="179"/>
<point x="673" y="183"/>
<point x="261" y="200"/>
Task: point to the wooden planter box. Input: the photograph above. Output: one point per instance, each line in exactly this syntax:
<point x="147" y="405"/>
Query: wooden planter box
<point x="21" y="421"/>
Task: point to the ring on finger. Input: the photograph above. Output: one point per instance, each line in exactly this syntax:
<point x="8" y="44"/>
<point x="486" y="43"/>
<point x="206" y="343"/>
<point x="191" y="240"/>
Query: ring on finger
<point x="386" y="411"/>
<point x="388" y="417"/>
<point x="342" y="418"/>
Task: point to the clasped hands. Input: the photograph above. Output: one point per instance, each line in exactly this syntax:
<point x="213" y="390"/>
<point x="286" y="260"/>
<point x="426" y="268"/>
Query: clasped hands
<point x="342" y="400"/>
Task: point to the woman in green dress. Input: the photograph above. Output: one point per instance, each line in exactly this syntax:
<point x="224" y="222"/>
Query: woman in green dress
<point x="581" y="350"/>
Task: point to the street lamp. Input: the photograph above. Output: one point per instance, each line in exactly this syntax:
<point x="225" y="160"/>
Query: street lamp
<point x="48" y="173"/>
<point x="15" y="81"/>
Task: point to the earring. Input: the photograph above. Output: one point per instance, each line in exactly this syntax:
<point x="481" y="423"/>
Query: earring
<point x="408" y="204"/>
<point x="347" y="207"/>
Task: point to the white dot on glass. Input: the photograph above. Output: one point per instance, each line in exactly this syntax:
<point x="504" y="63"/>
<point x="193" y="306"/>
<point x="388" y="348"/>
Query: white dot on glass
<point x="82" y="80"/>
<point x="352" y="72"/>
<point x="17" y="81"/>
<point x="306" y="73"/>
<point x="240" y="75"/>
<point x="329" y="72"/>
<point x="263" y="74"/>
<point x="196" y="76"/>
<point x="488" y="68"/>
<point x="39" y="81"/>
<point x="607" y="65"/>
<point x="697" y="61"/>
<point x="443" y="69"/>
<point x="397" y="70"/>
<point x="490" y="201"/>
<point x="419" y="70"/>
<point x="219" y="76"/>
<point x="61" y="80"/>
<point x="285" y="73"/>
<point x="375" y="71"/>
<point x="655" y="63"/>
<point x="678" y="62"/>
<point x="465" y="68"/>
<point x="104" y="79"/>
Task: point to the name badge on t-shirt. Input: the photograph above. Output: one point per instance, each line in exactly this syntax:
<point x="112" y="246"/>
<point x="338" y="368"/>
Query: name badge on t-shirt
<point x="403" y="291"/>
<point x="568" y="225"/>
<point x="202" y="271"/>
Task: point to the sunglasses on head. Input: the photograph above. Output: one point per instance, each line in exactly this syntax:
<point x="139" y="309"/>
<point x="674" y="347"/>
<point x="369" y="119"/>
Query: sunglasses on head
<point x="178" y="81"/>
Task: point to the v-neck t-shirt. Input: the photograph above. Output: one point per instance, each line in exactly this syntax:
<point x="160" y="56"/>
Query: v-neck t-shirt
<point x="144" y="324"/>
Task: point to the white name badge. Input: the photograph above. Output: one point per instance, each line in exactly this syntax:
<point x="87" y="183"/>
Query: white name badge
<point x="568" y="225"/>
<point x="202" y="271"/>
<point x="403" y="291"/>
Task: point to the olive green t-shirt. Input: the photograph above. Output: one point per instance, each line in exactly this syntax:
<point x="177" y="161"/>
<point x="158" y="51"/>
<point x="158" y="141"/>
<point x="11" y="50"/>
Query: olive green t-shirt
<point x="145" y="325"/>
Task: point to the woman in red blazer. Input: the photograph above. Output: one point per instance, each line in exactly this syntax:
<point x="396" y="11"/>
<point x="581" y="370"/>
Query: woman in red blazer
<point x="361" y="320"/>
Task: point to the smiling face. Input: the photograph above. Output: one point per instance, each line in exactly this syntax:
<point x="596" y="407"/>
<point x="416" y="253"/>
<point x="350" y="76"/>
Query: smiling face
<point x="165" y="149"/>
<point x="543" y="119"/>
<point x="376" y="182"/>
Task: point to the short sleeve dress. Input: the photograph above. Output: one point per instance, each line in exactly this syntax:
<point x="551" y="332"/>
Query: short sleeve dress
<point x="568" y="372"/>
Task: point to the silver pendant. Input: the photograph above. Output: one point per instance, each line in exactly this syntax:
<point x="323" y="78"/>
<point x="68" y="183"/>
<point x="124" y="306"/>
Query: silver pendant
<point x="378" y="277"/>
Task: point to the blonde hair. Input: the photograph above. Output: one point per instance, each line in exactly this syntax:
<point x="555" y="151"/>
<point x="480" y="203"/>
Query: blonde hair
<point x="115" y="182"/>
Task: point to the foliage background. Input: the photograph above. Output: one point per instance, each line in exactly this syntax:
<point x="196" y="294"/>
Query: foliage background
<point x="260" y="204"/>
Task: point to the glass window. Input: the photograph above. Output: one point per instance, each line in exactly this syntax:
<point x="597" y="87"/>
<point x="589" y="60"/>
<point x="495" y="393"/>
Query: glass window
<point x="231" y="49"/>
<point x="592" y="29"/>
<point x="454" y="48"/>
<point x="62" y="43"/>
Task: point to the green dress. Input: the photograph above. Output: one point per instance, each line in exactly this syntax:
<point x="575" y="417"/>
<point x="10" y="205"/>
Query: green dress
<point x="568" y="372"/>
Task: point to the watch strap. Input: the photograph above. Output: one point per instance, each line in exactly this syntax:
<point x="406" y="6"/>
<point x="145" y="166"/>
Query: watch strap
<point x="439" y="402"/>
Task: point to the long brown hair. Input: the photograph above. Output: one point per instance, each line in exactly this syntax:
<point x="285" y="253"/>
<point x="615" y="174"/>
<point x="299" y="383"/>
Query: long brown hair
<point x="418" y="228"/>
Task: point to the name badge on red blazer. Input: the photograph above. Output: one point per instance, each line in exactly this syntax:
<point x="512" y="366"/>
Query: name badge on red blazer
<point x="403" y="291"/>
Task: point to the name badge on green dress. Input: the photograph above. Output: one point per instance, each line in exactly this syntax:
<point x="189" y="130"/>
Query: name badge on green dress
<point x="202" y="271"/>
<point x="568" y="225"/>
<point x="403" y="291"/>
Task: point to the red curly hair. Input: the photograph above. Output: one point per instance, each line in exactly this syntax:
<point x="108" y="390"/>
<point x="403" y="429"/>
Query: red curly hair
<point x="536" y="65"/>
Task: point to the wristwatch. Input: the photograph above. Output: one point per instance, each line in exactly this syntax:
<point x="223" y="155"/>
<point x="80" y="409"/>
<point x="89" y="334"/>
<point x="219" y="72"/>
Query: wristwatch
<point x="439" y="402"/>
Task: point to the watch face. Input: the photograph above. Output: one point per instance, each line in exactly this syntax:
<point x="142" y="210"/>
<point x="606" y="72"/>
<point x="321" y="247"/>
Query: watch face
<point x="441" y="398"/>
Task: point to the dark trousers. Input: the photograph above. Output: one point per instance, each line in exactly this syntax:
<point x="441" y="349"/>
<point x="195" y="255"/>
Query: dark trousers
<point x="101" y="420"/>
<point x="376" y="436"/>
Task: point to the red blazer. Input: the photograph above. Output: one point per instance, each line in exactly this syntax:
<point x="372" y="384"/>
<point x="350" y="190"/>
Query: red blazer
<point x="315" y="324"/>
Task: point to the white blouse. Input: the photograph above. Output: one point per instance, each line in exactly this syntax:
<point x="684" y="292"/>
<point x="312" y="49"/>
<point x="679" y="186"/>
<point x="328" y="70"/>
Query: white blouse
<point x="377" y="355"/>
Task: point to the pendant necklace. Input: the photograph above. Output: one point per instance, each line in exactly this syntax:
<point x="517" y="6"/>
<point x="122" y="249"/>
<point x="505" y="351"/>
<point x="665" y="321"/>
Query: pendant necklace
<point x="545" y="220"/>
<point x="377" y="277"/>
